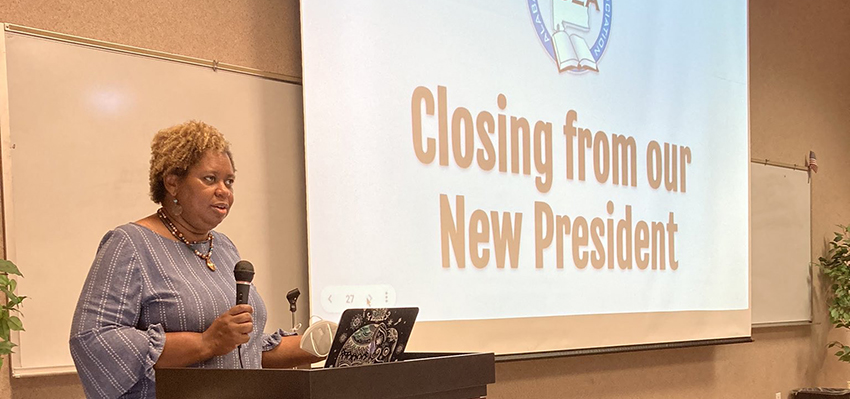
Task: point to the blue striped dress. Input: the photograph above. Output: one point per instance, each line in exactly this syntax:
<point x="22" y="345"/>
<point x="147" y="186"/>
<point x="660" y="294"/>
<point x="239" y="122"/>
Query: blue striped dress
<point x="142" y="285"/>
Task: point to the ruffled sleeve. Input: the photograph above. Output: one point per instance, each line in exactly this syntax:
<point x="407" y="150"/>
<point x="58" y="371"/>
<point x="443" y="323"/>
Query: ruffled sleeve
<point x="110" y="352"/>
<point x="271" y="341"/>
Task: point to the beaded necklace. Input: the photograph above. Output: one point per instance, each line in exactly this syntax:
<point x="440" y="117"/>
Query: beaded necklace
<point x="178" y="235"/>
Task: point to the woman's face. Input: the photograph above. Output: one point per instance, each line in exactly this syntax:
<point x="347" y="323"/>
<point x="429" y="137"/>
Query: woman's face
<point x="206" y="192"/>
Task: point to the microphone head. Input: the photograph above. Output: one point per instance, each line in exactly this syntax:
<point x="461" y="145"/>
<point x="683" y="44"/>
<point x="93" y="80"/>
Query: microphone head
<point x="244" y="271"/>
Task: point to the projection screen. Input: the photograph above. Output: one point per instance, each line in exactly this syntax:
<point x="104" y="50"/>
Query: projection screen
<point x="534" y="175"/>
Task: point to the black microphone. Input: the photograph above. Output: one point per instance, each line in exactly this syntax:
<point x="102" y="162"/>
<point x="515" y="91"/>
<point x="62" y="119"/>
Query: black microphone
<point x="244" y="273"/>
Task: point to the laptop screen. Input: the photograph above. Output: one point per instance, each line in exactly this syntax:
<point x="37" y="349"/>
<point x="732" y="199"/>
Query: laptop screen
<point x="371" y="335"/>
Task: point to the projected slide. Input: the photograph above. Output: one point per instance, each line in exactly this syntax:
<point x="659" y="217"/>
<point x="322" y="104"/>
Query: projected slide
<point x="566" y="164"/>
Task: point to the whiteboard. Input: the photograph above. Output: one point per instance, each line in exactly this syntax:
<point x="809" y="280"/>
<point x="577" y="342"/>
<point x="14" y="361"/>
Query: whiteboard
<point x="76" y="132"/>
<point x="781" y="245"/>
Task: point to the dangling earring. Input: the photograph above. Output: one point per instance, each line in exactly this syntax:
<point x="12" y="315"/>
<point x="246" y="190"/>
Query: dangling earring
<point x="178" y="209"/>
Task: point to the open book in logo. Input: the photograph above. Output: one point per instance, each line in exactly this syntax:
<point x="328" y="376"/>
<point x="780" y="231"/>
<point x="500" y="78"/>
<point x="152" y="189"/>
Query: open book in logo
<point x="572" y="52"/>
<point x="574" y="23"/>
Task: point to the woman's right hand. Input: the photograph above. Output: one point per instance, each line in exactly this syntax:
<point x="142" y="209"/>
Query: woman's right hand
<point x="229" y="330"/>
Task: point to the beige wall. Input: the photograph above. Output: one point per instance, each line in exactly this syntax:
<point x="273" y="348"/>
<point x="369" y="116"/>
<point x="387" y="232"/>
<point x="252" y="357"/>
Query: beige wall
<point x="800" y="100"/>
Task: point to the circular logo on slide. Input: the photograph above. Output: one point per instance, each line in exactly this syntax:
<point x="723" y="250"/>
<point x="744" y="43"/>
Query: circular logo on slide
<point x="575" y="33"/>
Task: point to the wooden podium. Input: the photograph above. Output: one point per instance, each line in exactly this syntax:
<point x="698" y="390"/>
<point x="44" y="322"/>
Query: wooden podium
<point x="417" y="375"/>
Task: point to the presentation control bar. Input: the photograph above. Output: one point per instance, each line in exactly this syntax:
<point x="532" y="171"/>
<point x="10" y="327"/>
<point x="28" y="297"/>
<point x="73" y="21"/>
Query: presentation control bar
<point x="337" y="298"/>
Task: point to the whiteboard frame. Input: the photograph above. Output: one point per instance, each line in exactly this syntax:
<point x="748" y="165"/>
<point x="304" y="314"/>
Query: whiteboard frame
<point x="6" y="190"/>
<point x="791" y="323"/>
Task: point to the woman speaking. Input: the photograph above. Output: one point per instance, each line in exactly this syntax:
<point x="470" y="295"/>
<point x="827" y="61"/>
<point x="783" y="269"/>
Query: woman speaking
<point x="161" y="290"/>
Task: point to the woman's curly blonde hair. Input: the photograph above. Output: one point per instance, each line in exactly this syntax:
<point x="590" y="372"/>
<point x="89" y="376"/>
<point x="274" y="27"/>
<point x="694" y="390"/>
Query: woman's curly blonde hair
<point x="176" y="149"/>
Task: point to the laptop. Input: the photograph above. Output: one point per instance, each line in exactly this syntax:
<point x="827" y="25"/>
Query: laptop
<point x="371" y="335"/>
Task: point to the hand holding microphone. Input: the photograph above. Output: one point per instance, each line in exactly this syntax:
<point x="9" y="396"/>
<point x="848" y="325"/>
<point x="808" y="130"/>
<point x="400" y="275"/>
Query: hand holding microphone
<point x="233" y="328"/>
<point x="230" y="330"/>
